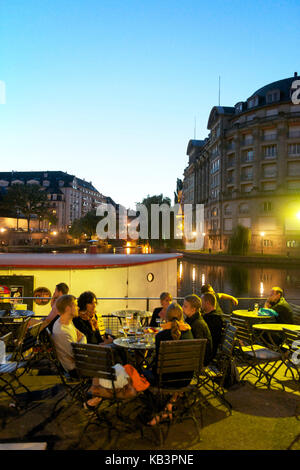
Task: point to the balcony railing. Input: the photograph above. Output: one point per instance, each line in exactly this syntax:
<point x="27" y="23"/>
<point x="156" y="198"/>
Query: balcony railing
<point x="231" y="163"/>
<point x="248" y="141"/>
<point x="294" y="134"/>
<point x="247" y="159"/>
<point x="247" y="177"/>
<point x="270" y="136"/>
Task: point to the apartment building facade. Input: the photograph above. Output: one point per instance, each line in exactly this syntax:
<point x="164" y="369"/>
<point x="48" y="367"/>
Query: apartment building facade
<point x="70" y="197"/>
<point x="247" y="171"/>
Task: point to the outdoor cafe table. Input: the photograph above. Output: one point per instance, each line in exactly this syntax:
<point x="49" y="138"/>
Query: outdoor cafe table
<point x="139" y="347"/>
<point x="265" y="331"/>
<point x="251" y="316"/>
<point x="143" y="314"/>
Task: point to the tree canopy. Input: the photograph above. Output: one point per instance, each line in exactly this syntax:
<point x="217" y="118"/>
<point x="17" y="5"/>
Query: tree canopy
<point x="27" y="200"/>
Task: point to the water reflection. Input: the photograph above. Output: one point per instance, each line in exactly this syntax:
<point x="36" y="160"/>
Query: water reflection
<point x="238" y="280"/>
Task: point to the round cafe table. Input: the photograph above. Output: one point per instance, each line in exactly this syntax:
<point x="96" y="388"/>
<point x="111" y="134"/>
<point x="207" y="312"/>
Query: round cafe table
<point x="140" y="348"/>
<point x="265" y="330"/>
<point x="251" y="316"/>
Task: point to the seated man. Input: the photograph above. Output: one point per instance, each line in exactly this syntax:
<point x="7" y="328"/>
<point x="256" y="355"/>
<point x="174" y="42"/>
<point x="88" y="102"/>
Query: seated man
<point x="277" y="302"/>
<point x="48" y="322"/>
<point x="208" y="288"/>
<point x="213" y="319"/>
<point x="65" y="333"/>
<point x="194" y="318"/>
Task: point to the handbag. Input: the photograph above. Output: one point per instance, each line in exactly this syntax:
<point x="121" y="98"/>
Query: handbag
<point x="139" y="382"/>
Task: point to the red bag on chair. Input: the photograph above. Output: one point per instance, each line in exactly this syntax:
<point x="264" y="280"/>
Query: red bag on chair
<point x="138" y="381"/>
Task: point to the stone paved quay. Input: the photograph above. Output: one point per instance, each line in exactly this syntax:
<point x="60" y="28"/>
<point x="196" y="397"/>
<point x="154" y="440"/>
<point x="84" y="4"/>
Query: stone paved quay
<point x="261" y="420"/>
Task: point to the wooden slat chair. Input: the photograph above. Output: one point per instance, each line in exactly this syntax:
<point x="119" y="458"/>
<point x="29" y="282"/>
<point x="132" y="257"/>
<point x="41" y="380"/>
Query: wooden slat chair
<point x="292" y="354"/>
<point x="255" y="359"/>
<point x="296" y="313"/>
<point x="95" y="361"/>
<point x="71" y="386"/>
<point x="215" y="374"/>
<point x="178" y="362"/>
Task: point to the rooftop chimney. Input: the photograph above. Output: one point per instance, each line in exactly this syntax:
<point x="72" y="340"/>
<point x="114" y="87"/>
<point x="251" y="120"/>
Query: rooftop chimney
<point x="295" y="74"/>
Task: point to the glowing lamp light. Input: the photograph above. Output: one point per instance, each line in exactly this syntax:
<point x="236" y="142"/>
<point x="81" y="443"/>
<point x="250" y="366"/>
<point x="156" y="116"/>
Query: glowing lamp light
<point x="180" y="270"/>
<point x="262" y="234"/>
<point x="261" y="288"/>
<point x="194" y="274"/>
<point x="54" y="233"/>
<point x="298" y="215"/>
<point x="2" y="230"/>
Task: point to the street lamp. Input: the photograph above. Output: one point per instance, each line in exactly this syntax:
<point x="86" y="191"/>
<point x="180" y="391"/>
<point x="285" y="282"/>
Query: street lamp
<point x="262" y="234"/>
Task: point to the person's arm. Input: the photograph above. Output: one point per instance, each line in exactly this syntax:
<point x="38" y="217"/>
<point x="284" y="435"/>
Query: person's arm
<point x="46" y="321"/>
<point x="228" y="297"/>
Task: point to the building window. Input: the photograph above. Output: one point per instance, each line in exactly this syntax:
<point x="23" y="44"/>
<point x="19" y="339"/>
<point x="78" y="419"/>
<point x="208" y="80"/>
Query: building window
<point x="244" y="208"/>
<point x="292" y="243"/>
<point x="227" y="210"/>
<point x="270" y="186"/>
<point x="239" y="107"/>
<point x="214" y="212"/>
<point x="270" y="151"/>
<point x="253" y="102"/>
<point x="267" y="206"/>
<point x="269" y="171"/>
<point x="228" y="224"/>
<point x="294" y="168"/>
<point x="247" y="173"/>
<point x="273" y="96"/>
<point x="248" y="155"/>
<point x="294" y="149"/>
<point x="267" y="243"/>
<point x="215" y="166"/>
<point x="270" y="134"/>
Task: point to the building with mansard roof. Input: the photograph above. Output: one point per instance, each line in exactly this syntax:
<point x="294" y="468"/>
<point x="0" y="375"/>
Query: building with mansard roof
<point x="247" y="171"/>
<point x="71" y="197"/>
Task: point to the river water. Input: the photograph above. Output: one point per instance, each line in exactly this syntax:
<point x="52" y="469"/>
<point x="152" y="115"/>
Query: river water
<point x="241" y="280"/>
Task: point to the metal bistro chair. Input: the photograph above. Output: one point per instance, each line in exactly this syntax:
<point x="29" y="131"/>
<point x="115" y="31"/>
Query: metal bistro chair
<point x="177" y="361"/>
<point x="255" y="359"/>
<point x="95" y="361"/>
<point x="14" y="361"/>
<point x="292" y="354"/>
<point x="216" y="373"/>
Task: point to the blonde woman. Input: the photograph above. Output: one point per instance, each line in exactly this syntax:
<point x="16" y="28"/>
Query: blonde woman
<point x="175" y="329"/>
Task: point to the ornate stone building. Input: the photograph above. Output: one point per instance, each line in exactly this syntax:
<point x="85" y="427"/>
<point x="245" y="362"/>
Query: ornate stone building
<point x="71" y="197"/>
<point x="247" y="171"/>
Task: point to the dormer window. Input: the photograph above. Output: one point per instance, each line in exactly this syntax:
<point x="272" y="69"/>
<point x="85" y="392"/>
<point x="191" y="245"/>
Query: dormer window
<point x="273" y="96"/>
<point x="252" y="102"/>
<point x="32" y="182"/>
<point x="239" y="107"/>
<point x="17" y="182"/>
<point x="46" y="183"/>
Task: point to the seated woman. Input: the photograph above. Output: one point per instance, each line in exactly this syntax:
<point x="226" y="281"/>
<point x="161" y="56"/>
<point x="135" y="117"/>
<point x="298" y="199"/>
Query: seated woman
<point x="159" y="313"/>
<point x="90" y="323"/>
<point x="175" y="329"/>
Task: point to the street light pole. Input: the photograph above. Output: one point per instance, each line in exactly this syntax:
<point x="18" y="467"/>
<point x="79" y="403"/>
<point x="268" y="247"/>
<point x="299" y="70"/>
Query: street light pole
<point x="262" y="234"/>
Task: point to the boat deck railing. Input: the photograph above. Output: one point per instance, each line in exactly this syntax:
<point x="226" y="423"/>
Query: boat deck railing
<point x="151" y="302"/>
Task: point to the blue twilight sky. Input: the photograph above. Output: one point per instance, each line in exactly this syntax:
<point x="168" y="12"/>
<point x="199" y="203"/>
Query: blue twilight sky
<point x="109" y="90"/>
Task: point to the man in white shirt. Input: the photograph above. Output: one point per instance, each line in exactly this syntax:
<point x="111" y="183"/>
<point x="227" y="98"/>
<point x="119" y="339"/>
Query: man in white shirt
<point x="64" y="332"/>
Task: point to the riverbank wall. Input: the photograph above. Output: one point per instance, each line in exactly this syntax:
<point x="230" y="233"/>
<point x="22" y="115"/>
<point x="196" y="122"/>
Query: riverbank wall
<point x="235" y="259"/>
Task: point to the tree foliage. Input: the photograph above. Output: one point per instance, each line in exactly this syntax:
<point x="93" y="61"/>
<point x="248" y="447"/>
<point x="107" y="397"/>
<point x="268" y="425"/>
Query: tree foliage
<point x="27" y="200"/>
<point x="240" y="240"/>
<point x="85" y="225"/>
